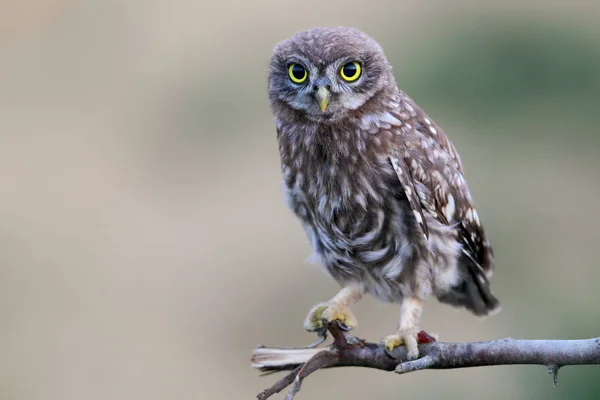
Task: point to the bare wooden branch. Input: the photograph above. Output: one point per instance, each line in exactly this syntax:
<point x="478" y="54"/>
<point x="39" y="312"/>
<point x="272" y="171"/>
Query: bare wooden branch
<point x="348" y="351"/>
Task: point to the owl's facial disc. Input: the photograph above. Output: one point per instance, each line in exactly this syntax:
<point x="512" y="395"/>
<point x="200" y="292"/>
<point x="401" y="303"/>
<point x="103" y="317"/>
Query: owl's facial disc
<point x="327" y="74"/>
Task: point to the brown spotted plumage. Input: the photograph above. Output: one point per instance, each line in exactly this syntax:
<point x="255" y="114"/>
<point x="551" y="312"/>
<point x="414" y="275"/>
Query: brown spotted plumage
<point x="377" y="185"/>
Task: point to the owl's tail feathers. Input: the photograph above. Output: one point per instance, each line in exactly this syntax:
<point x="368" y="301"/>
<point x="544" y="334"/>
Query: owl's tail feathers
<point x="483" y="302"/>
<point x="266" y="358"/>
<point x="472" y="291"/>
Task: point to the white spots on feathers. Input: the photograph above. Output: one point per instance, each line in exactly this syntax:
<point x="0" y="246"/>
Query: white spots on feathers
<point x="449" y="209"/>
<point x="476" y="217"/>
<point x="406" y="105"/>
<point x="397" y="169"/>
<point x="392" y="105"/>
<point x="418" y="216"/>
<point x="409" y="189"/>
<point x="417" y="170"/>
<point x="469" y="216"/>
<point x="345" y="208"/>
<point x="390" y="119"/>
<point x="473" y="236"/>
<point x="372" y="123"/>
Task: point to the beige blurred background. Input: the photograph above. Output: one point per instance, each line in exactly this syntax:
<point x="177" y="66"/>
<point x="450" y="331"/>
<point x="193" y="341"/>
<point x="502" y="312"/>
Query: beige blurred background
<point x="145" y="245"/>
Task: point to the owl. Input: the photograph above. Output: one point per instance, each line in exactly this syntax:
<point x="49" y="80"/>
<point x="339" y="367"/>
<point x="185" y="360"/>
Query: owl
<point x="376" y="184"/>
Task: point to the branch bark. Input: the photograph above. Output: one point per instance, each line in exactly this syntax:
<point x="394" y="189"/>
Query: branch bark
<point x="348" y="351"/>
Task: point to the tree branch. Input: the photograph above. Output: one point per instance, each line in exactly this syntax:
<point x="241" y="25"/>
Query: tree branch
<point x="348" y="351"/>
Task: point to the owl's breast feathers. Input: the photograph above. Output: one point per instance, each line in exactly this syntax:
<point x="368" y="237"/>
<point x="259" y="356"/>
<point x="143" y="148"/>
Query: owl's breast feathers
<point x="371" y="189"/>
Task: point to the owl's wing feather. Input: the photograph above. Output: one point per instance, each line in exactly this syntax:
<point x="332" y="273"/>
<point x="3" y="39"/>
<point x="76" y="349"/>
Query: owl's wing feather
<point x="405" y="178"/>
<point x="431" y="173"/>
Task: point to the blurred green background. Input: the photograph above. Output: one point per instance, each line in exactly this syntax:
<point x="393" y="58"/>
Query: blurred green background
<point x="145" y="245"/>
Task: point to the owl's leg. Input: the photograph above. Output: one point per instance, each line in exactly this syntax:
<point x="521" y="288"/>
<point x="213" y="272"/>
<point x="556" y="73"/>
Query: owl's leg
<point x="410" y="316"/>
<point x="336" y="309"/>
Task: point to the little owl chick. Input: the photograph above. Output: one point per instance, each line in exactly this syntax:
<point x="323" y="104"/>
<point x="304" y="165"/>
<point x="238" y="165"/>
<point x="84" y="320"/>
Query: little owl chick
<point x="375" y="182"/>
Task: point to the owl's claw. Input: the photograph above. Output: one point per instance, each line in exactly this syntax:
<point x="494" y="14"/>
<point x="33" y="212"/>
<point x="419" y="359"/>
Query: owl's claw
<point x="343" y="326"/>
<point x="322" y="314"/>
<point x="322" y="333"/>
<point x="422" y="338"/>
<point x="388" y="352"/>
<point x="407" y="338"/>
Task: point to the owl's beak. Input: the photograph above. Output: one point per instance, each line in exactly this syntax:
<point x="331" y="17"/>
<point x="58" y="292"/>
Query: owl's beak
<point x="323" y="95"/>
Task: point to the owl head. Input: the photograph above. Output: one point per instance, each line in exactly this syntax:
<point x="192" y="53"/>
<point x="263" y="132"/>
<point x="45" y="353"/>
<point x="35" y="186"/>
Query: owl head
<point x="323" y="74"/>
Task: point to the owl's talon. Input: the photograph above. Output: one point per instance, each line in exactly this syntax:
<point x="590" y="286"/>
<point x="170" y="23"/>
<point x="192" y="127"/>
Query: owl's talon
<point x="406" y="338"/>
<point x="322" y="338"/>
<point x="322" y="332"/>
<point x="321" y="315"/>
<point x="388" y="352"/>
<point x="343" y="326"/>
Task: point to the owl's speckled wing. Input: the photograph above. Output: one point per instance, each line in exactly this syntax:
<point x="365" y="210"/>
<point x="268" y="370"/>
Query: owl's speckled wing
<point x="431" y="173"/>
<point x="408" y="184"/>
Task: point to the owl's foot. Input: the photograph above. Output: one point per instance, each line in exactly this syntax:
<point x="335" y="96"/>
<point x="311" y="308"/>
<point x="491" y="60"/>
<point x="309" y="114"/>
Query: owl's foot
<point x="408" y="338"/>
<point x="407" y="333"/>
<point x="322" y="314"/>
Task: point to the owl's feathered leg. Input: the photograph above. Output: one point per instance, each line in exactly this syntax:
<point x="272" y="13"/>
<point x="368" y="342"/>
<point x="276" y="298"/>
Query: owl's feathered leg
<point x="336" y="309"/>
<point x="410" y="316"/>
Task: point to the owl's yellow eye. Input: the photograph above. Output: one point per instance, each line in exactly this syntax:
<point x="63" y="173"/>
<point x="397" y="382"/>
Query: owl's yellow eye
<point x="351" y="71"/>
<point x="298" y="73"/>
